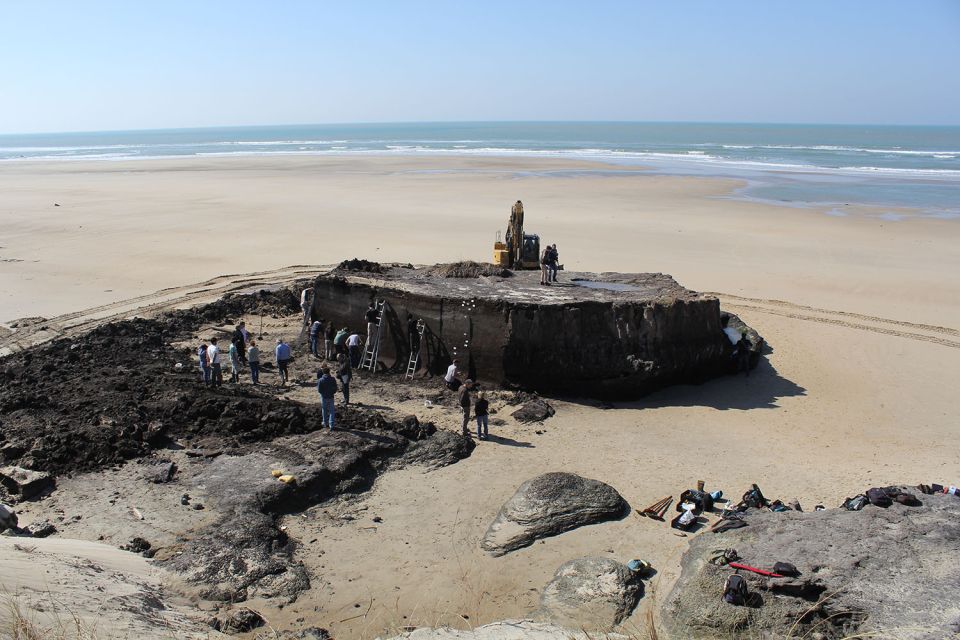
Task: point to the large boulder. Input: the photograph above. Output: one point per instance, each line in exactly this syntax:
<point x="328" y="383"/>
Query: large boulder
<point x="590" y="593"/>
<point x="550" y="504"/>
<point x="504" y="630"/>
<point x="883" y="572"/>
<point x="25" y="483"/>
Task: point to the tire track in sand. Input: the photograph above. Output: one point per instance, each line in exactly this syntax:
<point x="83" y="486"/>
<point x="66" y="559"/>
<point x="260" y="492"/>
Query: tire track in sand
<point x="886" y="326"/>
<point x="78" y="322"/>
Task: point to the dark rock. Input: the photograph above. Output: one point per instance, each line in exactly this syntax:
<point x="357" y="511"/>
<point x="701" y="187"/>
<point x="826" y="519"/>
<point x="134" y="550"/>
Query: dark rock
<point x="536" y="410"/>
<point x="136" y="545"/>
<point x="25" y="483"/>
<point x="242" y="620"/>
<point x="592" y="593"/>
<point x="880" y="572"/>
<point x="550" y="504"/>
<point x="161" y="473"/>
<point x="40" y="529"/>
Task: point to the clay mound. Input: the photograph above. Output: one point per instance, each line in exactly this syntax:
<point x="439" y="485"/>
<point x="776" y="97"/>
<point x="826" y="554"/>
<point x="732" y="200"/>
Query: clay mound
<point x="357" y="264"/>
<point x="876" y="572"/>
<point x="548" y="505"/>
<point x="468" y="269"/>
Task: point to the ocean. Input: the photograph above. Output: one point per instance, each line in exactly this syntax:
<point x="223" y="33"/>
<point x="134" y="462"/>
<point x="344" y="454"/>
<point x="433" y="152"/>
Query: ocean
<point x="831" y="166"/>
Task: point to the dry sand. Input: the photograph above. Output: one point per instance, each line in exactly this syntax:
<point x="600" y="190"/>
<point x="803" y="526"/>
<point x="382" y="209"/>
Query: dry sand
<point x="863" y="316"/>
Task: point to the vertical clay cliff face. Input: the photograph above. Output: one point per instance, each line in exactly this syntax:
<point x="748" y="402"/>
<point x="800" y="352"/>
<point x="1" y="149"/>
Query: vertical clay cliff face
<point x="596" y="348"/>
<point x="614" y="349"/>
<point x="475" y="332"/>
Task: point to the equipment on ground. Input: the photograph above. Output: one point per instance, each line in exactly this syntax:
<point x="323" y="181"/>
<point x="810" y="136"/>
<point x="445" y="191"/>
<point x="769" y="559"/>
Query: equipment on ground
<point x="518" y="250"/>
<point x="371" y="350"/>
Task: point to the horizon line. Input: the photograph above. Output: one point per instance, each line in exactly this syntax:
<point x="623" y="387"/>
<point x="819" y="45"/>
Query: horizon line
<point x="474" y="122"/>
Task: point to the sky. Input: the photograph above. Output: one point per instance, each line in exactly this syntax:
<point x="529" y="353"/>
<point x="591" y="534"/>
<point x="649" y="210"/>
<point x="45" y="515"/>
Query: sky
<point x="98" y="65"/>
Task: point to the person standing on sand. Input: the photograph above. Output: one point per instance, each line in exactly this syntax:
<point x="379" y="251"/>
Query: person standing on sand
<point x="234" y="354"/>
<point x="327" y="387"/>
<point x="353" y="348"/>
<point x="315" y="338"/>
<point x="545" y="266"/>
<point x="213" y="357"/>
<point x="282" y="353"/>
<point x="328" y="335"/>
<point x="450" y="379"/>
<point x="464" y="398"/>
<point x="344" y="374"/>
<point x="253" y="359"/>
<point x="480" y="410"/>
<point x="371" y="316"/>
<point x="305" y="306"/>
<point x="240" y="340"/>
<point x="204" y="364"/>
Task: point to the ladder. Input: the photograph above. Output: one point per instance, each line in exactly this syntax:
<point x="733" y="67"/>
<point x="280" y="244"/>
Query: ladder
<point x="414" y="362"/>
<point x="371" y="350"/>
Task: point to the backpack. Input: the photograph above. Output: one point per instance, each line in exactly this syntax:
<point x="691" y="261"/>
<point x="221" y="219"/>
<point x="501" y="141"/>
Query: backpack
<point x="702" y="500"/>
<point x="735" y="590"/>
<point x="879" y="497"/>
<point x="754" y="498"/>
<point x="855" y="503"/>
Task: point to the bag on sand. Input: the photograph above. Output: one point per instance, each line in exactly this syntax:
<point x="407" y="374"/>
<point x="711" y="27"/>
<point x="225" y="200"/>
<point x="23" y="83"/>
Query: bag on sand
<point x="878" y="497"/>
<point x="735" y="590"/>
<point x="855" y="503"/>
<point x="701" y="500"/>
<point x="754" y="498"/>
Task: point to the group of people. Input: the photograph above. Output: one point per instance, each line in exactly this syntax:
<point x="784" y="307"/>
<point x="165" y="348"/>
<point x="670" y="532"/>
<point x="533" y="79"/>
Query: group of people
<point x="549" y="264"/>
<point x="481" y="407"/>
<point x="243" y="351"/>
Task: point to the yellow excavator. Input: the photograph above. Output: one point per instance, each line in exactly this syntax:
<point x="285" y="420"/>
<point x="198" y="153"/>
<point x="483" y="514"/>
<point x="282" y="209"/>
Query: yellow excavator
<point x="518" y="250"/>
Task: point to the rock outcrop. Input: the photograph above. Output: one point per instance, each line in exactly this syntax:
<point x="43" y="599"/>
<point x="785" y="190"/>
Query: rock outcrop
<point x="594" y="335"/>
<point x="245" y="554"/>
<point x="504" y="630"/>
<point x="590" y="593"/>
<point x="884" y="572"/>
<point x="550" y="504"/>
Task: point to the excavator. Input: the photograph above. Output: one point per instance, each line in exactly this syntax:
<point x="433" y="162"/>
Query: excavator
<point x="518" y="250"/>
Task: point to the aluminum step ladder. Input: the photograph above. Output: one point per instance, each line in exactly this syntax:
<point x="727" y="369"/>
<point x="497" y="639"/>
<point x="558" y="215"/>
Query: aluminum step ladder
<point x="371" y="351"/>
<point x="414" y="362"/>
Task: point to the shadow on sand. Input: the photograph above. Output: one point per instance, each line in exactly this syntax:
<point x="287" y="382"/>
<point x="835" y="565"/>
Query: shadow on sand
<point x="762" y="389"/>
<point x="510" y="442"/>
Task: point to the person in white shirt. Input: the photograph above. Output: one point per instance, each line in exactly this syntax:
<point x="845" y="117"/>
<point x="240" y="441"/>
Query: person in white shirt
<point x="353" y="348"/>
<point x="213" y="357"/>
<point x="451" y="380"/>
<point x="305" y="305"/>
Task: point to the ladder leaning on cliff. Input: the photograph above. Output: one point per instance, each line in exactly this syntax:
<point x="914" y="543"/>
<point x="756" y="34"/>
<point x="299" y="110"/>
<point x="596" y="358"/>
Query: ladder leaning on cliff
<point x="414" y="362"/>
<point x="371" y="350"/>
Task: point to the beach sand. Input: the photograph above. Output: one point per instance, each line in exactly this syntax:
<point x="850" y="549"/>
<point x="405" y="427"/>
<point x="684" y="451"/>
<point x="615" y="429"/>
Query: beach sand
<point x="862" y="315"/>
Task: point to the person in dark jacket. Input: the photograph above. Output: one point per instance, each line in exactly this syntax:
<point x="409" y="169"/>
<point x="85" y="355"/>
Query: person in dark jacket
<point x="238" y="338"/>
<point x="464" y="397"/>
<point x="327" y="388"/>
<point x="344" y="374"/>
<point x="328" y="335"/>
<point x="371" y="317"/>
<point x="413" y="331"/>
<point x="480" y="409"/>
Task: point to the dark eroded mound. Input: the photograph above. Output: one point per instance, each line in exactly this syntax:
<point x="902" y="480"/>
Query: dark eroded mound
<point x="360" y="265"/>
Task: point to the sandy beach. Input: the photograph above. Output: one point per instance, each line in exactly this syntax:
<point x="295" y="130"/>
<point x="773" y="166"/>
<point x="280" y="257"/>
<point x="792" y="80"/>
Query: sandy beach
<point x="862" y="315"/>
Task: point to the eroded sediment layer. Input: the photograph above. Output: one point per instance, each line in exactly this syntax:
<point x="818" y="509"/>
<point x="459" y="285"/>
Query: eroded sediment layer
<point x="601" y="335"/>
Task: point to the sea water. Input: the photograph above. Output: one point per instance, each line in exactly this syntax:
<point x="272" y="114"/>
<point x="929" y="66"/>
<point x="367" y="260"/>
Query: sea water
<point x="916" y="167"/>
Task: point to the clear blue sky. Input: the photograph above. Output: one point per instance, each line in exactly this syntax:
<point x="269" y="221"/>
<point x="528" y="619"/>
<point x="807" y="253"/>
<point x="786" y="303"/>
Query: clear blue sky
<point x="89" y="65"/>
